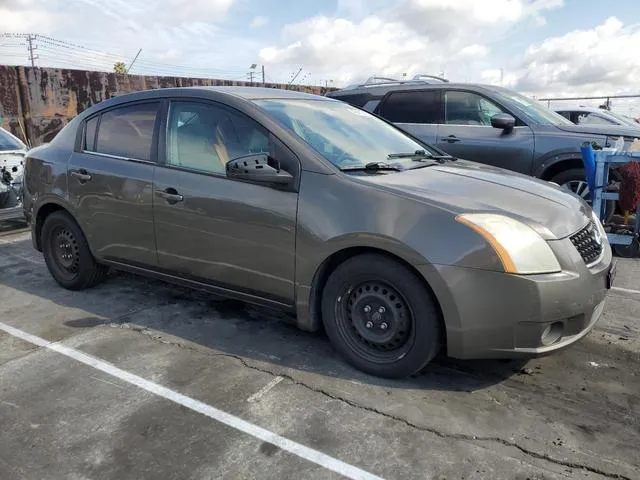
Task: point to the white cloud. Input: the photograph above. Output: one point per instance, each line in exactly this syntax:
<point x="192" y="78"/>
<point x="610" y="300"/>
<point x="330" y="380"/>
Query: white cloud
<point x="598" y="60"/>
<point x="26" y="16"/>
<point x="258" y="21"/>
<point x="413" y="36"/>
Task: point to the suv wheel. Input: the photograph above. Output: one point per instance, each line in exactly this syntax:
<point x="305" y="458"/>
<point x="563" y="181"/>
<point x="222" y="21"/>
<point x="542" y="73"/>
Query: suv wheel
<point x="574" y="180"/>
<point x="67" y="253"/>
<point x="381" y="317"/>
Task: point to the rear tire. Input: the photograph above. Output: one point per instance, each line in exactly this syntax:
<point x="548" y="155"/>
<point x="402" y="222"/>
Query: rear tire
<point x="381" y="317"/>
<point x="67" y="254"/>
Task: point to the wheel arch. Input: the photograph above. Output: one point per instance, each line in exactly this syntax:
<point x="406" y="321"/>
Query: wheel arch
<point x="559" y="164"/>
<point x="310" y="312"/>
<point x="44" y="210"/>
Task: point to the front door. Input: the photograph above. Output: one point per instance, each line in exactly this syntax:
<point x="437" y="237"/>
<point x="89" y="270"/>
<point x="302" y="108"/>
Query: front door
<point x="234" y="234"/>
<point x="467" y="133"/>
<point x="110" y="183"/>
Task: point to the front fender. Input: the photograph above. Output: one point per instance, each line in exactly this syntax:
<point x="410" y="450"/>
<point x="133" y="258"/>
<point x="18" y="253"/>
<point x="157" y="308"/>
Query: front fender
<point x="552" y="159"/>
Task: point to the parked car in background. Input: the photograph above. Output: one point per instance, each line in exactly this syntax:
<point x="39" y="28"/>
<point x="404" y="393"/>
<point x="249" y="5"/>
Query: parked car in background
<point x="301" y="202"/>
<point x="488" y="124"/>
<point x="596" y="116"/>
<point x="12" y="153"/>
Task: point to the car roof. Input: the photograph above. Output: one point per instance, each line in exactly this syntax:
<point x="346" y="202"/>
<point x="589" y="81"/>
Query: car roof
<point x="580" y="109"/>
<point x="231" y="94"/>
<point x="382" y="89"/>
<point x="247" y="93"/>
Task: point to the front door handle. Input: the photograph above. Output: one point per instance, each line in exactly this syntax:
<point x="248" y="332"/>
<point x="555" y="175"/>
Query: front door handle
<point x="171" y="195"/>
<point x="451" y="139"/>
<point x="81" y="175"/>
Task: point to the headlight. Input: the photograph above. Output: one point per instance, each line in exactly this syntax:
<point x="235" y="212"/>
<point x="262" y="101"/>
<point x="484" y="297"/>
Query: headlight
<point x="518" y="246"/>
<point x="598" y="225"/>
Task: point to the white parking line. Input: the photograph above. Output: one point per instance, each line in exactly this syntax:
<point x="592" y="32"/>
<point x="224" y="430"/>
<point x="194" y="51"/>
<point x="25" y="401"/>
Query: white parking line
<point x="302" y="451"/>
<point x="625" y="290"/>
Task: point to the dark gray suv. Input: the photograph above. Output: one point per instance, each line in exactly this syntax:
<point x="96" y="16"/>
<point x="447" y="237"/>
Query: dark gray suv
<point x="309" y="204"/>
<point x="488" y="124"/>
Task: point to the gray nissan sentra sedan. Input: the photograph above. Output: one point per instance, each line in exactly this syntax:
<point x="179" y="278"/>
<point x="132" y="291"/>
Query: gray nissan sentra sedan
<point x="306" y="203"/>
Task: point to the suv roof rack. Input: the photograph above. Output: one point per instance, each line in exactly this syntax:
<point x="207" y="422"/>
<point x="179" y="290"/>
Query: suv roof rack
<point x="375" y="81"/>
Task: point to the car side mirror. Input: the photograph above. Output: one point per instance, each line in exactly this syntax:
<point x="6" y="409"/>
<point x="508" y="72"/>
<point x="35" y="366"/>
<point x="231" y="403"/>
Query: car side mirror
<point x="503" y="121"/>
<point x="260" y="168"/>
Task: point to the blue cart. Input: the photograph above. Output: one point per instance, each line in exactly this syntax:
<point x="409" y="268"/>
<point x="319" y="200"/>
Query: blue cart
<point x="623" y="238"/>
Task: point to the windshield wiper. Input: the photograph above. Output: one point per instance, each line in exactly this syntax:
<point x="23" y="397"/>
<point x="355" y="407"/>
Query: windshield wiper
<point x="417" y="154"/>
<point x="420" y="155"/>
<point x="373" y="167"/>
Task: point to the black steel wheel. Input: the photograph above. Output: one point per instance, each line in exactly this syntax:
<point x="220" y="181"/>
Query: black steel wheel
<point x="67" y="254"/>
<point x="65" y="251"/>
<point x="381" y="316"/>
<point x="376" y="321"/>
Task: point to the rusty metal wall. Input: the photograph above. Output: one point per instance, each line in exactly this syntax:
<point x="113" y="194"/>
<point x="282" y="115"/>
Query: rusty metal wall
<point x="35" y="103"/>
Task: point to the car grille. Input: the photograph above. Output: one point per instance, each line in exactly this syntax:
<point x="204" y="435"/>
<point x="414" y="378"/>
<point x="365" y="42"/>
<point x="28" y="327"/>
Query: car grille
<point x="588" y="243"/>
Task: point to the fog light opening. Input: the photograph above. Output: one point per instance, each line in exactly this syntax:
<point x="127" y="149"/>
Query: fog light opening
<point x="552" y="333"/>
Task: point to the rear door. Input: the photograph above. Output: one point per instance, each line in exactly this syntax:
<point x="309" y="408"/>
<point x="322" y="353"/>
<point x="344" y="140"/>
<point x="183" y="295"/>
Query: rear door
<point x="110" y="182"/>
<point x="232" y="234"/>
<point x="467" y="133"/>
<point x="416" y="111"/>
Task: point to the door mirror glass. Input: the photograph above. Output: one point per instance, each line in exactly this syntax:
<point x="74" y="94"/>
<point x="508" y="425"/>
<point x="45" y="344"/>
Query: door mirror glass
<point x="503" y="121"/>
<point x="259" y="168"/>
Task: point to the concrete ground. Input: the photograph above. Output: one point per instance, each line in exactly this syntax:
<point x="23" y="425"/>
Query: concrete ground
<point x="574" y="414"/>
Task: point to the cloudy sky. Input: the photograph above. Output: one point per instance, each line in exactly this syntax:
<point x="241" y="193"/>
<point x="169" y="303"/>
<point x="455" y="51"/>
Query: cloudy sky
<point x="539" y="47"/>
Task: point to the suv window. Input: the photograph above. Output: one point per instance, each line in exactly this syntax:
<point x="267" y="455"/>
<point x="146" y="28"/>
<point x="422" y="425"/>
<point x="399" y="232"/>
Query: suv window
<point x="412" y="107"/>
<point x="466" y="108"/>
<point x="593" y="119"/>
<point x="205" y="137"/>
<point x="127" y="131"/>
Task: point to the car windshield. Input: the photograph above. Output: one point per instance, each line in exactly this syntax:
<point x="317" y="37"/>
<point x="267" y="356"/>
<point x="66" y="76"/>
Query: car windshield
<point x="623" y="120"/>
<point x="536" y="111"/>
<point x="346" y="136"/>
<point x="7" y="142"/>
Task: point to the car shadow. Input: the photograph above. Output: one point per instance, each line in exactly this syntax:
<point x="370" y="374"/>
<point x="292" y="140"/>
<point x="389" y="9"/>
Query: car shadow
<point x="226" y="326"/>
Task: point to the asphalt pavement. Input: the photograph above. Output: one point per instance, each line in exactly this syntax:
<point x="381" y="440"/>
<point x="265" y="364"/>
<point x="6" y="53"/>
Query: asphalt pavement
<point x="138" y="379"/>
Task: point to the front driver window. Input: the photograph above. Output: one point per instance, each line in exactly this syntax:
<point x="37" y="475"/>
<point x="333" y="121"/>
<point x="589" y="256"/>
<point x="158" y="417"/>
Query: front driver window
<point x="466" y="108"/>
<point x="205" y="137"/>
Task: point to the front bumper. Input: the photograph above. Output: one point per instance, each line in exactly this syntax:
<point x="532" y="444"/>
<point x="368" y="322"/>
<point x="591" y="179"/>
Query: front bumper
<point x="495" y="315"/>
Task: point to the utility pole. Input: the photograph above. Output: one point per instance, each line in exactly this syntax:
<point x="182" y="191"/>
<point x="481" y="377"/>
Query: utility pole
<point x="133" y="61"/>
<point x="250" y="76"/>
<point x="30" y="39"/>
<point x="295" y="76"/>
<point x="263" y="75"/>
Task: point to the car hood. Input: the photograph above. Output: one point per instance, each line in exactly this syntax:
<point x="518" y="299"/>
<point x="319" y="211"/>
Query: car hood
<point x="463" y="187"/>
<point x="610" y="130"/>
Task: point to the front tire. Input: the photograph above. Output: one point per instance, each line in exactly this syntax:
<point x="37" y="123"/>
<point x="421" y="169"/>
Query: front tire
<point x="381" y="317"/>
<point x="67" y="254"/>
<point x="574" y="179"/>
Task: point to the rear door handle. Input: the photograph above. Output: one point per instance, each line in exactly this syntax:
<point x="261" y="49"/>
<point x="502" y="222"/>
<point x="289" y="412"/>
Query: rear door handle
<point x="171" y="195"/>
<point x="451" y="139"/>
<point x="81" y="175"/>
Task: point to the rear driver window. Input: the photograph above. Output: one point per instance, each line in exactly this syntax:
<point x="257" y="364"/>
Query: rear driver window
<point x="412" y="107"/>
<point x="128" y="131"/>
